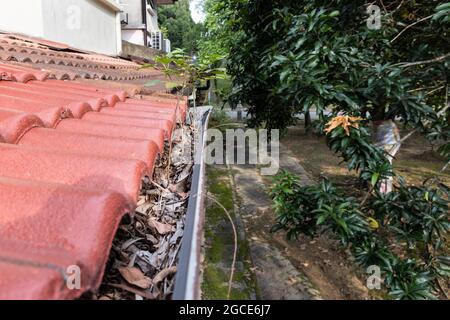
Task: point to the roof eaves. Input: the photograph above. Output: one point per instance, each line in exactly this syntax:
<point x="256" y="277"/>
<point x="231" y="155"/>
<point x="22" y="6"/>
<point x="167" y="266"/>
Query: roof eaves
<point x="112" y="5"/>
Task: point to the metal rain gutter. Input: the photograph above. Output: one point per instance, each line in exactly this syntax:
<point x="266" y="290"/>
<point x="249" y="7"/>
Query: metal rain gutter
<point x="187" y="279"/>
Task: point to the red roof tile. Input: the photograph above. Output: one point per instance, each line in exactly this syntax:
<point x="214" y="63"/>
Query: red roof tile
<point x="72" y="156"/>
<point x="40" y="218"/>
<point x="63" y="63"/>
<point x="17" y="73"/>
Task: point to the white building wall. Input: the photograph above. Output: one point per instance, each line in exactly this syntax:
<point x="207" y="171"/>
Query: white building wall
<point x="152" y="19"/>
<point x="91" y="25"/>
<point x="167" y="45"/>
<point x="133" y="36"/>
<point x="133" y="8"/>
<point x="130" y="31"/>
<point x="22" y="16"/>
<point x="87" y="24"/>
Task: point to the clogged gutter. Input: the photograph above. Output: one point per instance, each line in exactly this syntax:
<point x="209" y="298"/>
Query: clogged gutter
<point x="144" y="256"/>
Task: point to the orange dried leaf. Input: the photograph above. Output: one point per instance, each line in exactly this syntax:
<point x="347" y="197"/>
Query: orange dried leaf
<point x="345" y="122"/>
<point x="135" y="277"/>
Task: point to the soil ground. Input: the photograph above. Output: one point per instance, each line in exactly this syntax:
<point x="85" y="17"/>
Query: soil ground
<point x="416" y="160"/>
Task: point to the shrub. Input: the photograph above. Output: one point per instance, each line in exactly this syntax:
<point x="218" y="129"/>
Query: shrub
<point x="416" y="215"/>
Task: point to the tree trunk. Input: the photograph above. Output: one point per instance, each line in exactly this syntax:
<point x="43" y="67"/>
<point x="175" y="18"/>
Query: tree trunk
<point x="307" y="121"/>
<point x="387" y="137"/>
<point x="239" y="109"/>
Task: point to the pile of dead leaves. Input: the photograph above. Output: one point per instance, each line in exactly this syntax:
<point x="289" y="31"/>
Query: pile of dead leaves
<point x="143" y="260"/>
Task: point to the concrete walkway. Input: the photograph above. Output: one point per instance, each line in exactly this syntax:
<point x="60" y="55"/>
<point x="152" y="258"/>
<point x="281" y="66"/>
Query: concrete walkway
<point x="277" y="277"/>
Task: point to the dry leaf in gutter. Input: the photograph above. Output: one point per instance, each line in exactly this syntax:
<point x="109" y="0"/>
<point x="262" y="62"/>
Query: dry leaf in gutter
<point x="142" y="200"/>
<point x="142" y="293"/>
<point x="151" y="238"/>
<point x="174" y="206"/>
<point x="144" y="208"/>
<point x="130" y="242"/>
<point x="161" y="228"/>
<point x="164" y="274"/>
<point x="135" y="277"/>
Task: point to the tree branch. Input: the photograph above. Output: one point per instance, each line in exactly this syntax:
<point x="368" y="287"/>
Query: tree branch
<point x="445" y="167"/>
<point x="409" y="135"/>
<point x="434" y="60"/>
<point x="410" y="26"/>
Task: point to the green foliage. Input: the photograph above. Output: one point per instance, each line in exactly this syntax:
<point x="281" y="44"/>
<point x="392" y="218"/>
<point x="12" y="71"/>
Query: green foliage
<point x="222" y="26"/>
<point x="343" y="219"/>
<point x="303" y="209"/>
<point x="416" y="215"/>
<point x="176" y="22"/>
<point x="298" y="55"/>
<point x="183" y="72"/>
<point x="407" y="280"/>
<point x="376" y="171"/>
<point x="292" y="56"/>
<point x="442" y="13"/>
<point x="357" y="152"/>
<point x="288" y="57"/>
<point x="294" y="206"/>
<point x="371" y="251"/>
<point x="444" y="150"/>
<point x="440" y="132"/>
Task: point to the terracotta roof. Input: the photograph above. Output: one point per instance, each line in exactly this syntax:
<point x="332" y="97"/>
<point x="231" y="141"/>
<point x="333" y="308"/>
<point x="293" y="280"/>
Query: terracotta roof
<point x="72" y="156"/>
<point x="64" y="63"/>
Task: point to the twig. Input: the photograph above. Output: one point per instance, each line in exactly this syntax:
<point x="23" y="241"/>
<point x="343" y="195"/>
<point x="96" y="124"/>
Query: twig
<point x="398" y="8"/>
<point x="177" y="112"/>
<point x="169" y="158"/>
<point x="410" y="26"/>
<point x="159" y="186"/>
<point x="384" y="7"/>
<point x="433" y="91"/>
<point x="447" y="104"/>
<point x="367" y="195"/>
<point x="235" y="243"/>
<point x="418" y="63"/>
<point x="441" y="288"/>
<point x="445" y="167"/>
<point x="226" y="124"/>
<point x="409" y="135"/>
<point x="175" y="255"/>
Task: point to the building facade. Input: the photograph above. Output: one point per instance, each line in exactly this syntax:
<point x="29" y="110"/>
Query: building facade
<point x="139" y="21"/>
<point x="92" y="25"/>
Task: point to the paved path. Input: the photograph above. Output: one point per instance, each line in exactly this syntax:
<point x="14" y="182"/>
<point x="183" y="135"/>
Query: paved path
<point x="276" y="276"/>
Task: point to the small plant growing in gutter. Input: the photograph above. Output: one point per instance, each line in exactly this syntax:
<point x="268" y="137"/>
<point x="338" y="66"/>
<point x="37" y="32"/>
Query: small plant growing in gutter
<point x="186" y="73"/>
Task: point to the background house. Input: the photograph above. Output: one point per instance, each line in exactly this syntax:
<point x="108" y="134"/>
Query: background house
<point x="91" y="25"/>
<point x="139" y="21"/>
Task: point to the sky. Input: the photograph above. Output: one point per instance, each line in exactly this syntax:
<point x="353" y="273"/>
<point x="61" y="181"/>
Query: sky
<point x="196" y="11"/>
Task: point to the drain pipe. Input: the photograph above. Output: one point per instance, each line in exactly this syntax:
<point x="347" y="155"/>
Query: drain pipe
<point x="187" y="279"/>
